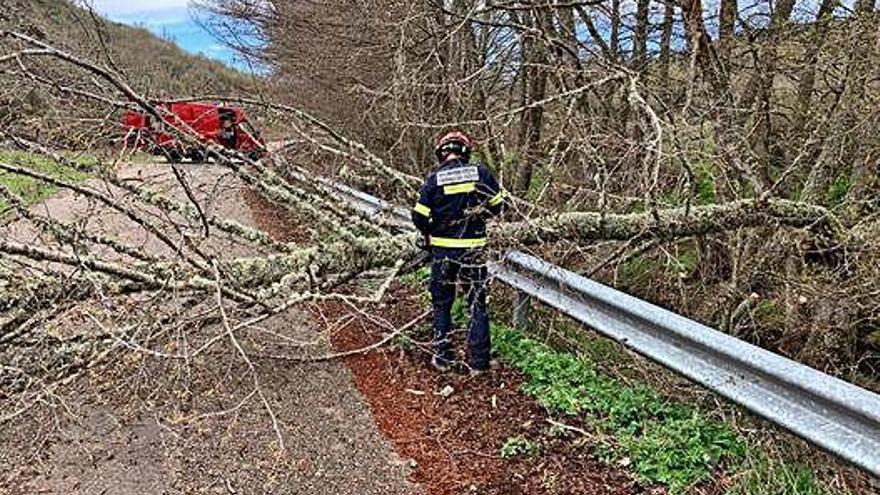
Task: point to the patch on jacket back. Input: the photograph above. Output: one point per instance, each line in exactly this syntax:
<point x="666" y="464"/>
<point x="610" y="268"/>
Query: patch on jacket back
<point x="458" y="174"/>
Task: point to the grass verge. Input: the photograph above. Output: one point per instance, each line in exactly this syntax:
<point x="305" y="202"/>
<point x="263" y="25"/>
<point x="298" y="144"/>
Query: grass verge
<point x="662" y="441"/>
<point x="32" y="190"/>
<point x="760" y="473"/>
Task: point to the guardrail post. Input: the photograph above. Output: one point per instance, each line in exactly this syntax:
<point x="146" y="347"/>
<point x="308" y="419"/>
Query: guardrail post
<point x="522" y="310"/>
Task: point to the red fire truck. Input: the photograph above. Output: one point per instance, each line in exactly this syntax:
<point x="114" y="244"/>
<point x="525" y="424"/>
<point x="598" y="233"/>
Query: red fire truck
<point x="227" y="126"/>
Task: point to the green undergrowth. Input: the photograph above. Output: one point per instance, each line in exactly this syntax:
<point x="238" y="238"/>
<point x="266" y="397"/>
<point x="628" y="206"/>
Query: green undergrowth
<point x="418" y="277"/>
<point x="702" y="192"/>
<point x="760" y="474"/>
<point x="518" y="446"/>
<point x="704" y="187"/>
<point x="540" y="179"/>
<point x="661" y="439"/>
<point x="839" y="189"/>
<point x="664" y="442"/>
<point x="637" y="271"/>
<point x="32" y="190"/>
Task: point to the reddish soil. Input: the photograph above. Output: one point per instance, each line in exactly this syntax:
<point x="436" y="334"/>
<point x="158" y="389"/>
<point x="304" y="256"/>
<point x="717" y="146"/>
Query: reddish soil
<point x="280" y="224"/>
<point x="453" y="442"/>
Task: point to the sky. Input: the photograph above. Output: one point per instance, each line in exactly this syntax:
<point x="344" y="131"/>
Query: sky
<point x="173" y="20"/>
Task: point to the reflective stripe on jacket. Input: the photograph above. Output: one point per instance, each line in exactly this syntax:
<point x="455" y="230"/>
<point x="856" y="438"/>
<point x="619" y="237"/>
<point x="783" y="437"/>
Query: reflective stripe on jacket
<point x="454" y="203"/>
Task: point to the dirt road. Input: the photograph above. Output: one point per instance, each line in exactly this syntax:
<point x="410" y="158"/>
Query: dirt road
<point x="149" y="424"/>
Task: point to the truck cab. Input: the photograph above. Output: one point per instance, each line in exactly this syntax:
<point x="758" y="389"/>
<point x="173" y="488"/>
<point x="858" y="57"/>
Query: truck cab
<point x="206" y="123"/>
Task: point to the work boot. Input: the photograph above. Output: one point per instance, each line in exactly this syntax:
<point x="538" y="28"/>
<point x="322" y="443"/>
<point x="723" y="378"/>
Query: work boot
<point x="441" y="364"/>
<point x="475" y="371"/>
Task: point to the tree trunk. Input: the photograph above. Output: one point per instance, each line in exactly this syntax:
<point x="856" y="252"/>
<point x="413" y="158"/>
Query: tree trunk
<point x="534" y="86"/>
<point x="640" y="42"/>
<point x="614" y="42"/>
<point x="864" y="168"/>
<point x="729" y="141"/>
<point x="808" y="77"/>
<point x="594" y="33"/>
<point x="840" y="154"/>
<point x="344" y="256"/>
<point x="666" y="41"/>
<point x="765" y="69"/>
<point x="726" y="21"/>
<point x="764" y="143"/>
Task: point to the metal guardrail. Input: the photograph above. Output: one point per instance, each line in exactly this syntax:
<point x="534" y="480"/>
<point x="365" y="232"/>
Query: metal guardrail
<point x="833" y="414"/>
<point x="373" y="207"/>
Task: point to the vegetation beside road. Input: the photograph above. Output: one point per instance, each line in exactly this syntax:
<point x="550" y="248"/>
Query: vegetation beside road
<point x="661" y="440"/>
<point x="628" y="422"/>
<point x="155" y="67"/>
<point x="32" y="190"/>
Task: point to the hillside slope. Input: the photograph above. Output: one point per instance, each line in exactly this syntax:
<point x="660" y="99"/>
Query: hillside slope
<point x="154" y="67"/>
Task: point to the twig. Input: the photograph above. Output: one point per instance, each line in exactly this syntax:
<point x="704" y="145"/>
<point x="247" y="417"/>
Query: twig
<point x="244" y="356"/>
<point x="362" y="350"/>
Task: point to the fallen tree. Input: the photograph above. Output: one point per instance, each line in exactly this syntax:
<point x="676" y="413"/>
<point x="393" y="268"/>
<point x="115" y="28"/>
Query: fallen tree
<point x="356" y="244"/>
<point x="72" y="265"/>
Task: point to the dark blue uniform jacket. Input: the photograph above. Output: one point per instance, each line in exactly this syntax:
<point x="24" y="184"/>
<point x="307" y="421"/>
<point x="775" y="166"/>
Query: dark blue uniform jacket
<point x="454" y="203"/>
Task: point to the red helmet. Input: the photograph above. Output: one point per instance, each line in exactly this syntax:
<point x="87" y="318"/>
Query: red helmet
<point x="455" y="142"/>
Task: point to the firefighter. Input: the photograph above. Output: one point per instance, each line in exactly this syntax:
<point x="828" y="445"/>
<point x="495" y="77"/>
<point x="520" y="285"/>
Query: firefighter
<point x="227" y="130"/>
<point x="454" y="203"/>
